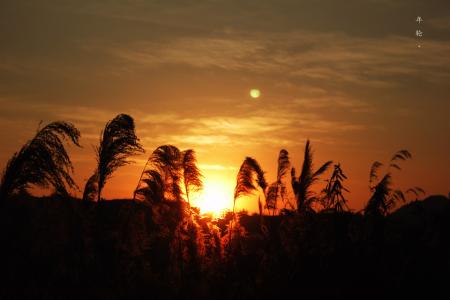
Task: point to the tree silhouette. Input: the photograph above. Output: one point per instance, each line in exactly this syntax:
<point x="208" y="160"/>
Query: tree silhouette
<point x="333" y="192"/>
<point x="42" y="161"/>
<point x="302" y="184"/>
<point x="118" y="141"/>
<point x="384" y="197"/>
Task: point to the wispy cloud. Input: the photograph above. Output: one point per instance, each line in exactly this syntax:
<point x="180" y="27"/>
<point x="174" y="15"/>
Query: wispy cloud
<point x="215" y="167"/>
<point x="256" y="128"/>
<point x="441" y="23"/>
<point x="333" y="57"/>
<point x="320" y="103"/>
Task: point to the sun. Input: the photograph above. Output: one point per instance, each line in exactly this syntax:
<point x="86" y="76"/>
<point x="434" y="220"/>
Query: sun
<point x="215" y="198"/>
<point x="255" y="93"/>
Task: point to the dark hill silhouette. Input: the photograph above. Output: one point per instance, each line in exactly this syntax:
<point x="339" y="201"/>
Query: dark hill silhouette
<point x="418" y="235"/>
<point x="436" y="205"/>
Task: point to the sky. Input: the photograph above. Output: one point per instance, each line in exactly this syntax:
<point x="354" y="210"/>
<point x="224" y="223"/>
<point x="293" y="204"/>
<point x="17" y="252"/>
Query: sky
<point x="348" y="75"/>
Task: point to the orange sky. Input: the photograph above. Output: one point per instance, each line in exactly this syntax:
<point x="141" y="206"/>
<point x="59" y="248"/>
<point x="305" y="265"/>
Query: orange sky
<point x="356" y="84"/>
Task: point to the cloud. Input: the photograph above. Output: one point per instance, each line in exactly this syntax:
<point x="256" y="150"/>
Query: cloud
<point x="331" y="57"/>
<point x="258" y="127"/>
<point x="319" y="103"/>
<point x="440" y="23"/>
<point x="198" y="52"/>
<point x="215" y="167"/>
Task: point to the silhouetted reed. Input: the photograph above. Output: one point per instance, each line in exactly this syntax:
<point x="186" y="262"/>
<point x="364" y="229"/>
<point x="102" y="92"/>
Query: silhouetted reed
<point x="384" y="198"/>
<point x="277" y="191"/>
<point x="43" y="161"/>
<point x="160" y="246"/>
<point x="333" y="197"/>
<point x="118" y="142"/>
<point x="302" y="184"/>
<point x="191" y="174"/>
<point x="169" y="170"/>
<point x="250" y="177"/>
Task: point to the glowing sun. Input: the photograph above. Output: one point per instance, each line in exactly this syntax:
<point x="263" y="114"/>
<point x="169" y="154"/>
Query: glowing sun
<point x="255" y="93"/>
<point x="215" y="198"/>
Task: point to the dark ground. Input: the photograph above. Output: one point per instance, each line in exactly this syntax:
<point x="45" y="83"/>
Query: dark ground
<point x="59" y="248"/>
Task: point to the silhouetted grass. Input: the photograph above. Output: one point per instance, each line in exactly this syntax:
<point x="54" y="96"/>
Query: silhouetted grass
<point x="158" y="246"/>
<point x="42" y="161"/>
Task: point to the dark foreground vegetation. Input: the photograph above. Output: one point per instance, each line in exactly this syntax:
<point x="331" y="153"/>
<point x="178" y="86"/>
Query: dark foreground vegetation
<point x="60" y="248"/>
<point x="157" y="246"/>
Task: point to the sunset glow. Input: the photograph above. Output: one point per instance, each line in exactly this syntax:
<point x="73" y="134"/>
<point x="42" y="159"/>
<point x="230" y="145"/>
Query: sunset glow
<point x="248" y="80"/>
<point x="215" y="198"/>
<point x="224" y="149"/>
